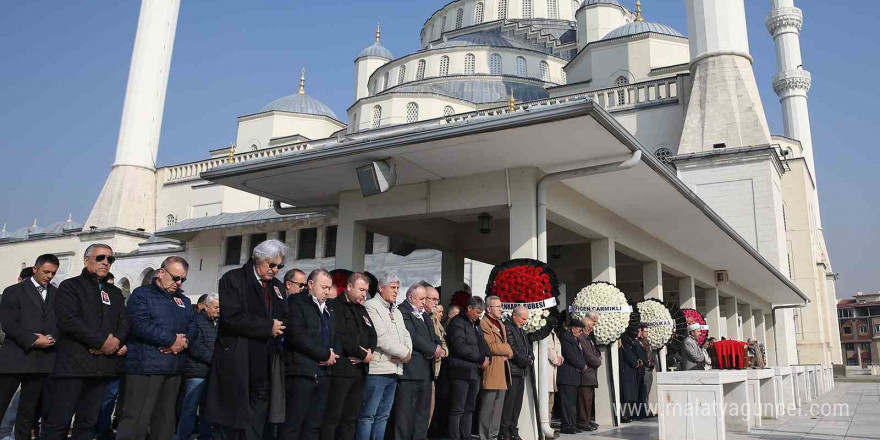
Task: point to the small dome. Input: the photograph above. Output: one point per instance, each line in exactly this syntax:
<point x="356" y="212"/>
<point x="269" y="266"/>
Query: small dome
<point x="376" y="50"/>
<point x="300" y="103"/>
<point x="641" y="27"/>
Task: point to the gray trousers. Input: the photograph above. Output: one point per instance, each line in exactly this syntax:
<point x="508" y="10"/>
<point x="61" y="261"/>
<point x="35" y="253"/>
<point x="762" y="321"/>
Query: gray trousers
<point x="491" y="407"/>
<point x="149" y="407"/>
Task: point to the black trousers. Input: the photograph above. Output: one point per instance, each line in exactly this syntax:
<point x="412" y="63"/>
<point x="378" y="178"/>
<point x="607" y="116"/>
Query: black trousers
<point x="28" y="401"/>
<point x="439" y="427"/>
<point x="149" y="407"/>
<point x="69" y="396"/>
<point x="462" y="401"/>
<point x="411" y="407"/>
<point x="585" y="405"/>
<point x="344" y="398"/>
<point x="512" y="407"/>
<point x="305" y="404"/>
<point x="260" y="403"/>
<point x="568" y="405"/>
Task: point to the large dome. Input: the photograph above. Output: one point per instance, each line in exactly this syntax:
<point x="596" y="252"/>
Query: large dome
<point x="641" y="27"/>
<point x="300" y="103"/>
<point x="481" y="39"/>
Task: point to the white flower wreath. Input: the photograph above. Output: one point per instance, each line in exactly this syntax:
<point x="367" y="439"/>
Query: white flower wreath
<point x="614" y="311"/>
<point x="659" y="321"/>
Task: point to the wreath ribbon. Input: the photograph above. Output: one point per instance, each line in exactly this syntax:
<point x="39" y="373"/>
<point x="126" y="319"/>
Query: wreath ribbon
<point x="539" y="305"/>
<point x="600" y="309"/>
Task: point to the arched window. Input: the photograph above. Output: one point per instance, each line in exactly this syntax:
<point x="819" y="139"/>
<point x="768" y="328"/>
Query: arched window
<point x="170" y="220"/>
<point x="385" y="80"/>
<point x="545" y="70"/>
<point x="563" y="76"/>
<point x="502" y="9"/>
<point x="478" y="14"/>
<point x="444" y="65"/>
<point x="621" y="94"/>
<point x="433" y="28"/>
<point x="495" y="64"/>
<point x="412" y="112"/>
<point x="459" y="18"/>
<point x="469" y="61"/>
<point x="521" y="69"/>
<point x="254" y="147"/>
<point x="420" y="71"/>
<point x="575" y="5"/>
<point x="527" y="9"/>
<point x="552" y="13"/>
<point x="448" y="111"/>
<point x="443" y="25"/>
<point x="401" y="75"/>
<point x="377" y="116"/>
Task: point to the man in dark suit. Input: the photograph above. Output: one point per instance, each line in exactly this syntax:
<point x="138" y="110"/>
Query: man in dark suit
<point x="648" y="371"/>
<point x="632" y="378"/>
<point x="315" y="347"/>
<point x="347" y="377"/>
<point x="413" y="401"/>
<point x="522" y="359"/>
<point x="92" y="331"/>
<point x="28" y="355"/>
<point x="468" y="354"/>
<point x="253" y="317"/>
<point x="568" y="375"/>
<point x="589" y="380"/>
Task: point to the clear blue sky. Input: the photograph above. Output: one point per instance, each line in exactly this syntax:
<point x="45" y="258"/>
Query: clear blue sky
<point x="65" y="64"/>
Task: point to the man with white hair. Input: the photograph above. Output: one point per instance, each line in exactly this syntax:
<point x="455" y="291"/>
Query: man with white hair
<point x="252" y="320"/>
<point x="413" y="400"/>
<point x="203" y="330"/>
<point x="692" y="355"/>
<point x="393" y="349"/>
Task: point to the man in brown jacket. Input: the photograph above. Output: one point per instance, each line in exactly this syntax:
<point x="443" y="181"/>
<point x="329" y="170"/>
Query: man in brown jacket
<point x="497" y="375"/>
<point x="589" y="380"/>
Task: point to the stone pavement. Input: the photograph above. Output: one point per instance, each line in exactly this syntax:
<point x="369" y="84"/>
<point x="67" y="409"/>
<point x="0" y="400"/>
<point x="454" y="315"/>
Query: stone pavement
<point x="857" y="418"/>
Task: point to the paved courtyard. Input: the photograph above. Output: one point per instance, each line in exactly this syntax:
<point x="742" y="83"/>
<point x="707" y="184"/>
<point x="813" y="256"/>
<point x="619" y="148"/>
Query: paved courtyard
<point x="860" y="420"/>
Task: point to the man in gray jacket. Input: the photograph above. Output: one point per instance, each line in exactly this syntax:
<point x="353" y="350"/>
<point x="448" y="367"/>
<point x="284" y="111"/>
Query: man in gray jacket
<point x="692" y="355"/>
<point x="393" y="349"/>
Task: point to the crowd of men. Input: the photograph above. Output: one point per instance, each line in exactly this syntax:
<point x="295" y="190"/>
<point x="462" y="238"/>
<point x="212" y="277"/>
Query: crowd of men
<point x="286" y="357"/>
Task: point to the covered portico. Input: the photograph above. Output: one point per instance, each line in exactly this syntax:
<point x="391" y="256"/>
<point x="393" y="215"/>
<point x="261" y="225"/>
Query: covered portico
<point x="640" y="228"/>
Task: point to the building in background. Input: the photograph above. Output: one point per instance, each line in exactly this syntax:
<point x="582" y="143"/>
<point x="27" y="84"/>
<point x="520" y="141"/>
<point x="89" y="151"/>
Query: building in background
<point x="859" y="319"/>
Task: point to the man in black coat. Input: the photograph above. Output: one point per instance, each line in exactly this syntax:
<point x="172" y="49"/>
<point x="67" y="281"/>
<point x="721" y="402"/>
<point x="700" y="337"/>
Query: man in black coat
<point x="569" y="374"/>
<point x="28" y="354"/>
<point x="315" y="347"/>
<point x="632" y="374"/>
<point x="523" y="358"/>
<point x="92" y="330"/>
<point x="413" y="401"/>
<point x="355" y="331"/>
<point x="468" y="354"/>
<point x="253" y="317"/>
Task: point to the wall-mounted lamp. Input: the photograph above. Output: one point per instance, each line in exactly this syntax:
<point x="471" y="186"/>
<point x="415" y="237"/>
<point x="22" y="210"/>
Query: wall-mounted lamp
<point x="484" y="221"/>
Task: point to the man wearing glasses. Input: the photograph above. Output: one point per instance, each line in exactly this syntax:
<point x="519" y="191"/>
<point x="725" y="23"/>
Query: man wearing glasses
<point x="244" y="374"/>
<point x="159" y="314"/>
<point x="92" y="331"/>
<point x="294" y="281"/>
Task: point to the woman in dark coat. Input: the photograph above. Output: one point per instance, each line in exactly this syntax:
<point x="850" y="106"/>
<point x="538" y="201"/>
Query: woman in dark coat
<point x="630" y="363"/>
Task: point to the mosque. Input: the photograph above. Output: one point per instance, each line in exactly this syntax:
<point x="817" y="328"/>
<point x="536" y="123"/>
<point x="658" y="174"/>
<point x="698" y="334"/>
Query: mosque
<point x="718" y="213"/>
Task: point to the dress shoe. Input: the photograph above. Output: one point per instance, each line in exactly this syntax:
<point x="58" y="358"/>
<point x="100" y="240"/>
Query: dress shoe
<point x="594" y="425"/>
<point x="591" y="428"/>
<point x="625" y="420"/>
<point x="568" y="431"/>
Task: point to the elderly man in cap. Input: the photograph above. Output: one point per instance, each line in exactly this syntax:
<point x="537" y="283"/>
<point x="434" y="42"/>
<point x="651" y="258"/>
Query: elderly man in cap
<point x="692" y="354"/>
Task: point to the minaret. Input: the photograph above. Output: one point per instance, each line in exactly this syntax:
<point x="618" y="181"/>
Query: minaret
<point x="792" y="82"/>
<point x="724" y="106"/>
<point x="128" y="199"/>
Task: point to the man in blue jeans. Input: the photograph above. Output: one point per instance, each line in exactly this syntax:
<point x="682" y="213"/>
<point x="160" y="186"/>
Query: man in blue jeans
<point x="393" y="349"/>
<point x="203" y="329"/>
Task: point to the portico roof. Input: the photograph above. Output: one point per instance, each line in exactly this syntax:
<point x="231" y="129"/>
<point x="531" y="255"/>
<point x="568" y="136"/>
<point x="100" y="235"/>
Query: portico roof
<point x="549" y="137"/>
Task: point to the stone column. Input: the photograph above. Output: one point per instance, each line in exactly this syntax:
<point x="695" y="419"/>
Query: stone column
<point x="523" y="213"/>
<point x="748" y="325"/>
<point x="603" y="266"/>
<point x="761" y="331"/>
<point x="351" y="238"/>
<point x="652" y="280"/>
<point x="451" y="275"/>
<point x="713" y="314"/>
<point x="770" y="336"/>
<point x="731" y="318"/>
<point x="291" y="239"/>
<point x="687" y="296"/>
<point x="245" y="248"/>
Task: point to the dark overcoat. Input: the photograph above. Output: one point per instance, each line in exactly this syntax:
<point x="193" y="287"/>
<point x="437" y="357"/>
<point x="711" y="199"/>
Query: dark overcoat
<point x="23" y="312"/>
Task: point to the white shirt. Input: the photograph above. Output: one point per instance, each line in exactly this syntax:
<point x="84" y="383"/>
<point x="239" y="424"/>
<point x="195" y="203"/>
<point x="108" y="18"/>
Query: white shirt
<point x="41" y="289"/>
<point x="322" y="306"/>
